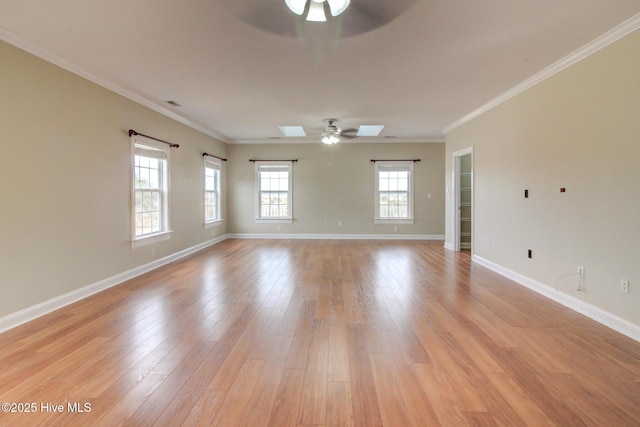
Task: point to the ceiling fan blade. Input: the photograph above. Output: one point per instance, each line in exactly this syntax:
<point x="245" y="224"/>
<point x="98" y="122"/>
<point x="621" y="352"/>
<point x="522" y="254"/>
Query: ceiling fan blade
<point x="349" y="133"/>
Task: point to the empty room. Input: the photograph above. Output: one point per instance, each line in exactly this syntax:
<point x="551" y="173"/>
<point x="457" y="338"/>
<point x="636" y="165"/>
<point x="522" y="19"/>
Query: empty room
<point x="320" y="213"/>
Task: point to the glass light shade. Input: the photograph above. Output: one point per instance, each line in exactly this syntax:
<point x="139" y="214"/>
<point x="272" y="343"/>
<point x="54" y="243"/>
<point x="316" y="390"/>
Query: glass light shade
<point x="316" y="8"/>
<point x="330" y="139"/>
<point x="316" y="12"/>
<point x="338" y="6"/>
<point x="296" y="6"/>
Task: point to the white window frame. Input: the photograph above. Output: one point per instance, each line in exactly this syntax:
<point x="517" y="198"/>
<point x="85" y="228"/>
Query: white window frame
<point x="386" y="166"/>
<point x="162" y="152"/>
<point x="214" y="164"/>
<point x="261" y="166"/>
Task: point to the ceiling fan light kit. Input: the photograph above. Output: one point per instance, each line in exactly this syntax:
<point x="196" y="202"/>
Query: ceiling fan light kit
<point x="330" y="139"/>
<point x="315" y="11"/>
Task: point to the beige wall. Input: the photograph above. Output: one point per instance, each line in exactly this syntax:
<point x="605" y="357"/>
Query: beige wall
<point x="65" y="182"/>
<point x="579" y="129"/>
<point x="333" y="183"/>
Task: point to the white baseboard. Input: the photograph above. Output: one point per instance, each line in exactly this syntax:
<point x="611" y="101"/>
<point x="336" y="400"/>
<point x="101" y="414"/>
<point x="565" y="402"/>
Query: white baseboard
<point x="30" y="313"/>
<point x="337" y="236"/>
<point x="448" y="246"/>
<point x="601" y="316"/>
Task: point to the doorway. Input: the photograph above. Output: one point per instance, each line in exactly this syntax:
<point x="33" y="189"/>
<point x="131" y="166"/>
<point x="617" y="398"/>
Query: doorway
<point x="463" y="199"/>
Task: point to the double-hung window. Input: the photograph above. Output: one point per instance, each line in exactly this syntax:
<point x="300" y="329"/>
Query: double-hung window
<point x="212" y="169"/>
<point x="274" y="191"/>
<point x="394" y="192"/>
<point x="150" y="193"/>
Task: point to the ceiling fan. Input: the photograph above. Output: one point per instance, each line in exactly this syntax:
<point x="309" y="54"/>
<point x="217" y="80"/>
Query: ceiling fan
<point x="332" y="133"/>
<point x="290" y="18"/>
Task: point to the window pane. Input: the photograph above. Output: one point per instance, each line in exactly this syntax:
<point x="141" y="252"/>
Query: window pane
<point x="393" y="184"/>
<point x="138" y="201"/>
<point x="283" y="184"/>
<point x="154" y="179"/>
<point x="265" y="184"/>
<point x="404" y="198"/>
<point x="403" y="184"/>
<point x="383" y="184"/>
<point x="155" y="201"/>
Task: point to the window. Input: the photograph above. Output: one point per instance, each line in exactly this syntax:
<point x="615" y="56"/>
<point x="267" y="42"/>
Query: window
<point x="394" y="192"/>
<point x="212" y="168"/>
<point x="150" y="202"/>
<point x="274" y="184"/>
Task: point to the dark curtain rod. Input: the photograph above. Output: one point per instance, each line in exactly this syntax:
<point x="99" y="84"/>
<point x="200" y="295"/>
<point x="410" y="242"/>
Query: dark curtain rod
<point x="211" y="155"/>
<point x="258" y="160"/>
<point x="394" y="160"/>
<point x="171" y="144"/>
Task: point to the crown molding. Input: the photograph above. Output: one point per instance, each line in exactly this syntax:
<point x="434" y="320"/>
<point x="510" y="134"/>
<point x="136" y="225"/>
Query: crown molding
<point x="47" y="55"/>
<point x="615" y="34"/>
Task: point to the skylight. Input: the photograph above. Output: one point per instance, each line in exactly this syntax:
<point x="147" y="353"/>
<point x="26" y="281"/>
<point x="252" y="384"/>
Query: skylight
<point x="369" y="130"/>
<point x="292" y="131"/>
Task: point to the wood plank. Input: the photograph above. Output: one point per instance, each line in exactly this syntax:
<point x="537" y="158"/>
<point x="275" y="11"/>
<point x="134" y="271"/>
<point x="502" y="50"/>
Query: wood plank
<point x="264" y="394"/>
<point x="314" y="391"/>
<point x="339" y="409"/>
<point x="235" y="403"/>
<point x="338" y="367"/>
<point x="288" y="399"/>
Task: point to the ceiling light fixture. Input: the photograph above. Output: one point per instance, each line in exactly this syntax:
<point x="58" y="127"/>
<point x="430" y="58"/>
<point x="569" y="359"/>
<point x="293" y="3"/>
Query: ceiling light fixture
<point x="331" y="134"/>
<point x="315" y="10"/>
<point x="330" y="138"/>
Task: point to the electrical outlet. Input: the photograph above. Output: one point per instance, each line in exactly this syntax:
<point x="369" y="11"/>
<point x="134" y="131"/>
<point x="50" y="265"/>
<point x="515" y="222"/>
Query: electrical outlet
<point x="624" y="286"/>
<point x="581" y="271"/>
<point x="153" y="251"/>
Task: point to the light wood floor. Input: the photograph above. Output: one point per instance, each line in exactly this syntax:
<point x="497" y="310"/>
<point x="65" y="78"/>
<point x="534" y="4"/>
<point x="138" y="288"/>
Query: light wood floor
<point x="281" y="333"/>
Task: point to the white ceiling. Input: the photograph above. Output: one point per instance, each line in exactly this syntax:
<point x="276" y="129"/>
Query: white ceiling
<point x="239" y="80"/>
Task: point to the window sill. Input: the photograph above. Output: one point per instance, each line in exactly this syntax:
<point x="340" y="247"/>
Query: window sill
<point x="215" y="223"/>
<point x="275" y="220"/>
<point x="393" y="221"/>
<point x="151" y="239"/>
